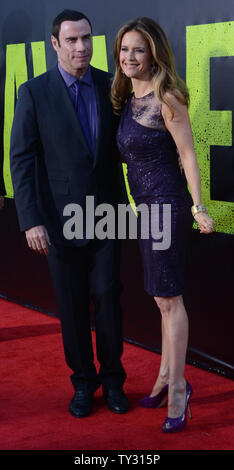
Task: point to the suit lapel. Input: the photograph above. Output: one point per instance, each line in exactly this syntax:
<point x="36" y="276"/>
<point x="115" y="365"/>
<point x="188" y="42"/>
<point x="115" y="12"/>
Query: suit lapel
<point x="102" y="109"/>
<point x="64" y="108"/>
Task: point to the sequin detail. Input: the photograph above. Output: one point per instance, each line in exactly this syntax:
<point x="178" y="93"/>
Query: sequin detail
<point x="154" y="178"/>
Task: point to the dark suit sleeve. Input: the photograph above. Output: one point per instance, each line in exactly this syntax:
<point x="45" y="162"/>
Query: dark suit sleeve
<point x="2" y="186"/>
<point x="23" y="155"/>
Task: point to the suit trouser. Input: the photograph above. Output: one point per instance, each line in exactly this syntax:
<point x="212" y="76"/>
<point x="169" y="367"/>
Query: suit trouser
<point x="78" y="274"/>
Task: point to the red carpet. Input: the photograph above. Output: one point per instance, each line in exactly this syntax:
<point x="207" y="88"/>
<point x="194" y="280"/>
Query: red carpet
<point x="36" y="391"/>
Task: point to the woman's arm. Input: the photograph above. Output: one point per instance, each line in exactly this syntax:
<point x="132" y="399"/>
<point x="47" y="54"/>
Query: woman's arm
<point x="180" y="128"/>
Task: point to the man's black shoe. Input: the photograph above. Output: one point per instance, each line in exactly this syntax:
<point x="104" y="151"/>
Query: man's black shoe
<point x="81" y="404"/>
<point x="116" y="400"/>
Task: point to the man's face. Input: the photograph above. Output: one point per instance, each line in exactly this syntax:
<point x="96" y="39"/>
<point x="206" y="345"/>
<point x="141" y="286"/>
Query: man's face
<point x="75" y="47"/>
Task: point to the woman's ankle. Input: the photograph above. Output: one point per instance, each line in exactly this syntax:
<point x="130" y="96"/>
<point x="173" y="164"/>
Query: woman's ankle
<point x="159" y="384"/>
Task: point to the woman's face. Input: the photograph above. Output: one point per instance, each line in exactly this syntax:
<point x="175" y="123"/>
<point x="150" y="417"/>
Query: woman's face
<point x="135" y="57"/>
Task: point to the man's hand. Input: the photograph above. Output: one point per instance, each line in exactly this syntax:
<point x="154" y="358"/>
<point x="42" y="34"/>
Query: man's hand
<point x="38" y="239"/>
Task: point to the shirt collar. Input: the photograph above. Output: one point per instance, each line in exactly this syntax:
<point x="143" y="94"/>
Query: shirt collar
<point x="70" y="79"/>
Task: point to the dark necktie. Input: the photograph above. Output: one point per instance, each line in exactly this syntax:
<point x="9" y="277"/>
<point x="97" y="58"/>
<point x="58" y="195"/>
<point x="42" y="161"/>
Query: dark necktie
<point x="82" y="114"/>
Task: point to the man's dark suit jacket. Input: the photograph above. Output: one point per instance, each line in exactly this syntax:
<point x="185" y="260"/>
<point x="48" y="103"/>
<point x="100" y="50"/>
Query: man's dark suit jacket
<point x="51" y="163"/>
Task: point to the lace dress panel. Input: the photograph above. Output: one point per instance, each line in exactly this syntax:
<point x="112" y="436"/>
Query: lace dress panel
<point x="147" y="111"/>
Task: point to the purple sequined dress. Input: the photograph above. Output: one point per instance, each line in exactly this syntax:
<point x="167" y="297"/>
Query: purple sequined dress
<point x="154" y="177"/>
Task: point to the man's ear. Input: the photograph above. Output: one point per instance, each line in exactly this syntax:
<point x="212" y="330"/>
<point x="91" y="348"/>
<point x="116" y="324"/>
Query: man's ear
<point x="55" y="43"/>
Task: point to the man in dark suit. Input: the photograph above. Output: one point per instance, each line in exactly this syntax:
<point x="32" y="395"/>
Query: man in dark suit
<point x="62" y="150"/>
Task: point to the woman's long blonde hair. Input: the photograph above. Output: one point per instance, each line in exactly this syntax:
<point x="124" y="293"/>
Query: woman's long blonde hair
<point x="165" y="79"/>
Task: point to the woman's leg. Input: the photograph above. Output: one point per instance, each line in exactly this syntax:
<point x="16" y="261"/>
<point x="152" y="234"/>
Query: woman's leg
<point x="163" y="375"/>
<point x="175" y="322"/>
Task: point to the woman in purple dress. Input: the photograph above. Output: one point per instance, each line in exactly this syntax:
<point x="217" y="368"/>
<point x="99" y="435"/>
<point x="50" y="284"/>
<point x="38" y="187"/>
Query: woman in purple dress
<point x="154" y="128"/>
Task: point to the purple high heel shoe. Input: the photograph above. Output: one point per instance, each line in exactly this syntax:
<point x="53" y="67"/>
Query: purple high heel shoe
<point x="154" y="402"/>
<point x="177" y="424"/>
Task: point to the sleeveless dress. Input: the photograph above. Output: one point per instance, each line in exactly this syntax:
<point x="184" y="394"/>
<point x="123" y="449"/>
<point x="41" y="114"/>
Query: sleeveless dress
<point x="154" y="177"/>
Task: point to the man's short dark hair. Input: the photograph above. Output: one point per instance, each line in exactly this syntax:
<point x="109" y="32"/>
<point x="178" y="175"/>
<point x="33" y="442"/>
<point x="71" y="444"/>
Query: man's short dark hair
<point x="67" y="15"/>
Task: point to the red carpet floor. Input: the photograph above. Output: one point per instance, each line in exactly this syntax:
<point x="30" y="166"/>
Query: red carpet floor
<point x="35" y="393"/>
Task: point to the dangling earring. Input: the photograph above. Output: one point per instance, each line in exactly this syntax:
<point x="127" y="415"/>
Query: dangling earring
<point x="154" y="69"/>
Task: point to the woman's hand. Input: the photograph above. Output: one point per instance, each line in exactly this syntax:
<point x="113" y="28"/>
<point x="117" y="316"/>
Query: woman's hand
<point x="205" y="223"/>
